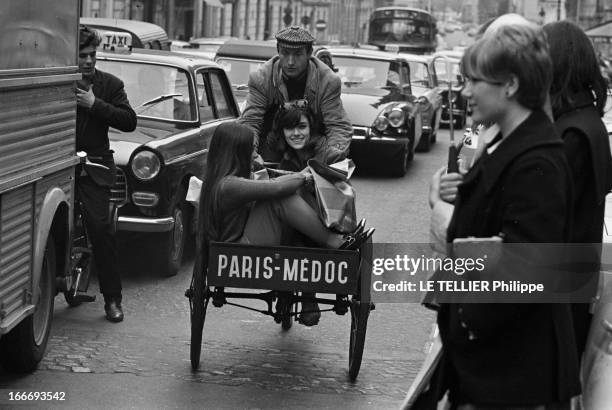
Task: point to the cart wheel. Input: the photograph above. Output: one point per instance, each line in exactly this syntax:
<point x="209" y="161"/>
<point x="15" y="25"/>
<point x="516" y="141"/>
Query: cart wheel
<point x="200" y="295"/>
<point x="359" y="322"/>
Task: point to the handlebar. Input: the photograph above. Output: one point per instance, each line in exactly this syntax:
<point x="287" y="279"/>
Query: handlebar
<point x="87" y="164"/>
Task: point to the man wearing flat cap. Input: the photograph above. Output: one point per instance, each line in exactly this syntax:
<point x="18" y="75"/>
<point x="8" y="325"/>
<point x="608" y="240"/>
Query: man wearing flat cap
<point x="295" y="77"/>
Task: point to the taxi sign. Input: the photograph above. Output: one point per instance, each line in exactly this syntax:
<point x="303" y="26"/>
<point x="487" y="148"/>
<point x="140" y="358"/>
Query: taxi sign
<point x="116" y="41"/>
<point x="283" y="268"/>
<point x="392" y="48"/>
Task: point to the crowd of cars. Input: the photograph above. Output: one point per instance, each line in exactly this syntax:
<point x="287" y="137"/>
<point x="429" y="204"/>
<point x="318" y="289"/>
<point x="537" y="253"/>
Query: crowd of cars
<point x="396" y="103"/>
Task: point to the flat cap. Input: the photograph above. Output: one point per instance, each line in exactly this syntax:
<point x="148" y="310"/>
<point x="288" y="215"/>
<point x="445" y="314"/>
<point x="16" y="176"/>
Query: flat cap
<point x="294" y="37"/>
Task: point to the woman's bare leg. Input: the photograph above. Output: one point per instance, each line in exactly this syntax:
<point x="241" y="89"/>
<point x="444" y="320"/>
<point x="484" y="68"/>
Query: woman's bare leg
<point x="268" y="219"/>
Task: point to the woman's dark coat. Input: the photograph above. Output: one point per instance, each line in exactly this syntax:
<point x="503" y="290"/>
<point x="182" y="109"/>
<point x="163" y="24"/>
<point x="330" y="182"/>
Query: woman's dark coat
<point x="513" y="354"/>
<point x="588" y="152"/>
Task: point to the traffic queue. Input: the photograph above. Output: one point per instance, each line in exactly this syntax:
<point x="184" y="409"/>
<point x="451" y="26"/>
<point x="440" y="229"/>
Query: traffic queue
<point x="250" y="155"/>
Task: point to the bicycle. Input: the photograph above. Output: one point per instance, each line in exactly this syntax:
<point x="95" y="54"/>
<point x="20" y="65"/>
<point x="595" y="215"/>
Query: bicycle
<point x="81" y="256"/>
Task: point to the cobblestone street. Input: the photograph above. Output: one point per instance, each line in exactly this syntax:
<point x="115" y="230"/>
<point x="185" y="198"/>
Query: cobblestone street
<point x="297" y="360"/>
<point x="247" y="360"/>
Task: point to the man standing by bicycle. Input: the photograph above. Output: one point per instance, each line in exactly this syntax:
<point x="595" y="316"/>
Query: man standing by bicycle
<point x="101" y="103"/>
<point x="296" y="78"/>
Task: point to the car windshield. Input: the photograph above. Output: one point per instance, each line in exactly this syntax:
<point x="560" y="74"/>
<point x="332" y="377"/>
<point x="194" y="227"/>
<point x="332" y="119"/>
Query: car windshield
<point x="366" y="73"/>
<point x="154" y="91"/>
<point x="238" y="70"/>
<point x="400" y="29"/>
<point x="419" y="75"/>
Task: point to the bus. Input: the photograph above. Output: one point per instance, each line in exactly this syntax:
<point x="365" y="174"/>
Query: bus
<point x="403" y="29"/>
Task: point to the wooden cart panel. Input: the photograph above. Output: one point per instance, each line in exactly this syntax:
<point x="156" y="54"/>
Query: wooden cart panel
<point x="283" y="268"/>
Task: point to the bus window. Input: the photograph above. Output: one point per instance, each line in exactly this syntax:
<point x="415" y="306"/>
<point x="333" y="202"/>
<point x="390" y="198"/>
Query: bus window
<point x="410" y="29"/>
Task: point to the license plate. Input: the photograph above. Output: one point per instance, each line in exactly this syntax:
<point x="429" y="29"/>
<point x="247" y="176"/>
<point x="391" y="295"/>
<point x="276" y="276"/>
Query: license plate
<point x="283" y="268"/>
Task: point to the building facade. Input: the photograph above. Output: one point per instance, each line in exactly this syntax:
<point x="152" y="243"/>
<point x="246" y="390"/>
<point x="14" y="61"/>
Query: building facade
<point x="330" y="21"/>
<point x="182" y="19"/>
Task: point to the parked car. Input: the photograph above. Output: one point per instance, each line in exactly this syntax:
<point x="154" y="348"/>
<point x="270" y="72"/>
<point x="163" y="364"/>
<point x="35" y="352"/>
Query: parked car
<point x="424" y="84"/>
<point x="239" y="58"/>
<point x="377" y="95"/>
<point x="144" y="35"/>
<point x="209" y="45"/>
<point x="179" y="101"/>
<point x="447" y="65"/>
<point x="180" y="45"/>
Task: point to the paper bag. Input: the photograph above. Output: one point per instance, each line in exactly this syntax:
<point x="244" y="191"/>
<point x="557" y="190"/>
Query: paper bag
<point x="194" y="190"/>
<point x="335" y="195"/>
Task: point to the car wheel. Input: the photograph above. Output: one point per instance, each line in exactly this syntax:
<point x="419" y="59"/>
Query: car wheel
<point x="425" y="142"/>
<point x="434" y="131"/>
<point x="168" y="252"/>
<point x="24" y="347"/>
<point x="459" y="122"/>
<point x="400" y="161"/>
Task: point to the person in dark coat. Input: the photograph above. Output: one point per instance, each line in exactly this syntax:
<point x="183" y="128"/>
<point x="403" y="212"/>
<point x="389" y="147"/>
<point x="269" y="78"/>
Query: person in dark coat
<point x="522" y="354"/>
<point x="101" y="103"/>
<point x="578" y="96"/>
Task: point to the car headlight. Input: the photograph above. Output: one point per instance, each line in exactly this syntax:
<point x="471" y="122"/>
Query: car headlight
<point x="381" y="123"/>
<point x="396" y="117"/>
<point x="146" y="165"/>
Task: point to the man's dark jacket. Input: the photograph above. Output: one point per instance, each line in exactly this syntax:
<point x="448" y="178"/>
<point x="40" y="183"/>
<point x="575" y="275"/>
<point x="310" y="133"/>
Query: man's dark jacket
<point x="110" y="109"/>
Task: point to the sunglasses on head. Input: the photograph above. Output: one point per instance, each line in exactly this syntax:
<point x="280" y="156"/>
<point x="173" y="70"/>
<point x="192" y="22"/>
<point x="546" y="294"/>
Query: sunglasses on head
<point x="299" y="104"/>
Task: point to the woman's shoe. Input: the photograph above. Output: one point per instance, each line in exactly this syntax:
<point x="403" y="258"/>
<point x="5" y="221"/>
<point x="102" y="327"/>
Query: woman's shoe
<point x="358" y="230"/>
<point x="360" y="227"/>
<point x="354" y="242"/>
<point x="310" y="314"/>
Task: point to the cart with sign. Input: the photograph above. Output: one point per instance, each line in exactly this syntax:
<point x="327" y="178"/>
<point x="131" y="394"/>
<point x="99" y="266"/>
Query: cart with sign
<point x="290" y="271"/>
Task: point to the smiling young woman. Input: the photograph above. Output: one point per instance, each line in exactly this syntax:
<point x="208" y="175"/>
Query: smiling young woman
<point x="294" y="136"/>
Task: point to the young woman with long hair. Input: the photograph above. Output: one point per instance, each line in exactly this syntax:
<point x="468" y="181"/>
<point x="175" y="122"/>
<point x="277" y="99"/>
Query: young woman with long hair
<point x="237" y="208"/>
